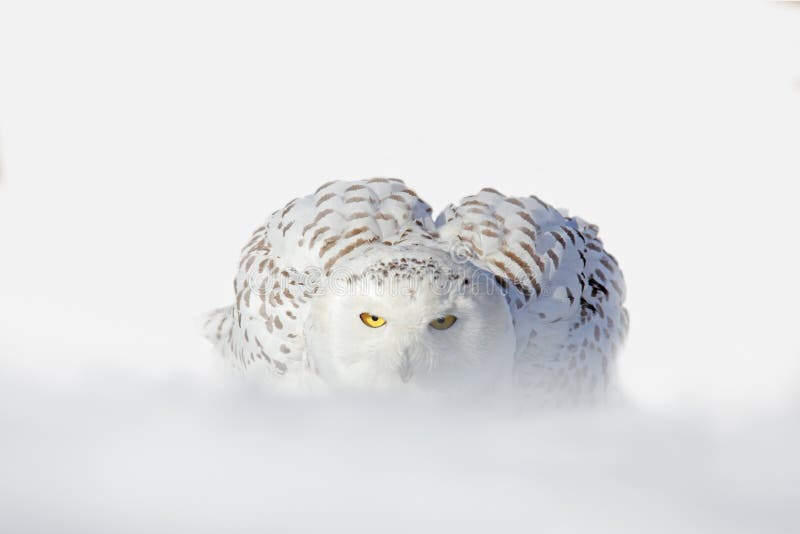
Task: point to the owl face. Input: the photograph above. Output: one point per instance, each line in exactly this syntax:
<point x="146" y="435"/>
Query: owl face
<point x="412" y="321"/>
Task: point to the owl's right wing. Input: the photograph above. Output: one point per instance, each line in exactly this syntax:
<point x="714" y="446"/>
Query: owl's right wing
<point x="294" y="250"/>
<point x="565" y="292"/>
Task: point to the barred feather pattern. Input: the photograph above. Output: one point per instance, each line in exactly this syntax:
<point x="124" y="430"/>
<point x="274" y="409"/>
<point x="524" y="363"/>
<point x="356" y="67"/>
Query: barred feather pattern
<point x="564" y="291"/>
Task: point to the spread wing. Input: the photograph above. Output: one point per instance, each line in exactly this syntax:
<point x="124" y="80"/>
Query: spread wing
<point x="565" y="292"/>
<point x="287" y="256"/>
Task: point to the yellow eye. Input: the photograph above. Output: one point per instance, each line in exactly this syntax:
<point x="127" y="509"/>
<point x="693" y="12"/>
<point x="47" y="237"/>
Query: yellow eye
<point x="372" y="321"/>
<point x="444" y="322"/>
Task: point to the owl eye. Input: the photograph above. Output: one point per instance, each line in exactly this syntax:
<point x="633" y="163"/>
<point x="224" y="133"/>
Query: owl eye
<point x="444" y="322"/>
<point x="372" y="321"/>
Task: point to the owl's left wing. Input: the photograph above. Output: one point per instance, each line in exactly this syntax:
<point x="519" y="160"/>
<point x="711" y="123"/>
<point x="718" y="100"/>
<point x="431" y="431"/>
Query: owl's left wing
<point x="291" y="254"/>
<point x="565" y="292"/>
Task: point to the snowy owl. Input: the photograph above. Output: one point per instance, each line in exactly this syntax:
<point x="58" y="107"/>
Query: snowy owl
<point x="357" y="286"/>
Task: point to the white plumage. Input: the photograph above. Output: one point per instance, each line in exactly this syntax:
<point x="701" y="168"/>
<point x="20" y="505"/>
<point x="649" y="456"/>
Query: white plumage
<point x="356" y="286"/>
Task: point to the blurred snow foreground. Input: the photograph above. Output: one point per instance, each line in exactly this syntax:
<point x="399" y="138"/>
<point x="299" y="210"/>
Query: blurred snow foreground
<point x="126" y="455"/>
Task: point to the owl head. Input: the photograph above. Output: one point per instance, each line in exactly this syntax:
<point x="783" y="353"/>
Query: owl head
<point x="410" y="317"/>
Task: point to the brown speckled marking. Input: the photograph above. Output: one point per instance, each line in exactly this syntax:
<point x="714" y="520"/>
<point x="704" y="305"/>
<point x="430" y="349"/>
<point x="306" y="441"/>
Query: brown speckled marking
<point x="528" y="219"/>
<point x="316" y="234"/>
<point x="346" y="250"/>
<point x="324" y="198"/>
<point x="490" y="190"/>
<point x="558" y="238"/>
<point x="554" y="257"/>
<point x="519" y="261"/>
<point x="357" y="215"/>
<point x="324" y="186"/>
<point x="328" y="244"/>
<point x="355" y="231"/>
<point x="316" y="220"/>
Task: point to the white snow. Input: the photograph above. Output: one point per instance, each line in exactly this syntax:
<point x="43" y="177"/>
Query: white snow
<point x="117" y="454"/>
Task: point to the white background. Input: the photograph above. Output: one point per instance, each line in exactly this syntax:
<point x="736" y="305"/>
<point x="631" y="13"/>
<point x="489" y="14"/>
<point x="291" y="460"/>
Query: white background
<point x="141" y="143"/>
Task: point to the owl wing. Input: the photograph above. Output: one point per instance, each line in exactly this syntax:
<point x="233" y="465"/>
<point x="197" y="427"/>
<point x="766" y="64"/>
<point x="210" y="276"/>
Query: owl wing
<point x="565" y="292"/>
<point x="286" y="258"/>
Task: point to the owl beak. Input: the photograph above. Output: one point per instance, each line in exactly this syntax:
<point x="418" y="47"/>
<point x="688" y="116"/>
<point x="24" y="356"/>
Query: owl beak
<point x="405" y="369"/>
